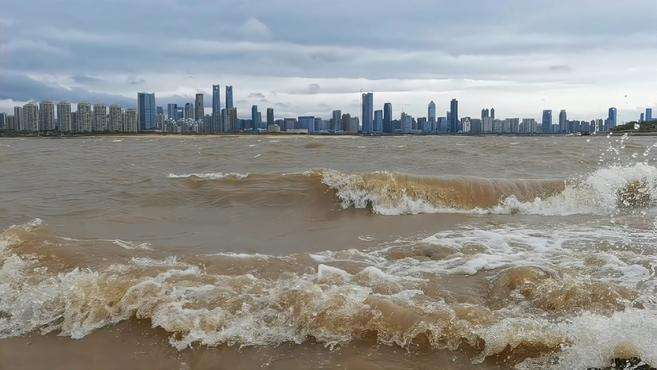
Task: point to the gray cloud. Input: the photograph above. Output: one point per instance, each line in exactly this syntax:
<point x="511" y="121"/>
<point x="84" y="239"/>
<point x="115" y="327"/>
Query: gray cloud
<point x="526" y="52"/>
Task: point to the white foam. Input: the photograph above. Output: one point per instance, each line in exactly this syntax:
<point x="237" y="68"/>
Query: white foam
<point x="210" y="175"/>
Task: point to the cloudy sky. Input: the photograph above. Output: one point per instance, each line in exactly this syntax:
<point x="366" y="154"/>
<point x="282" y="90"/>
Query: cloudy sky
<point x="311" y="56"/>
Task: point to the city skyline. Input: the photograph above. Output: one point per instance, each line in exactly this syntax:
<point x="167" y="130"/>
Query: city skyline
<point x="304" y="58"/>
<point x="193" y="118"/>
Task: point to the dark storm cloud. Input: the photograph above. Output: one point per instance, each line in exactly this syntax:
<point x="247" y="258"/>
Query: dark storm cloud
<point x="23" y="88"/>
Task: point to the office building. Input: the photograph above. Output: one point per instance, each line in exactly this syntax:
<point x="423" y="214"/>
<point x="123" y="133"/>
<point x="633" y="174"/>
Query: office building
<point x="648" y="116"/>
<point x="3" y="121"/>
<point x="188" y="112"/>
<point x="613" y="117"/>
<point x="367" y="112"/>
<point x="270" y="117"/>
<point x="431" y="115"/>
<point x="387" y="117"/>
<point x="172" y="111"/>
<point x="336" y="121"/>
<point x="64" y="122"/>
<point x="378" y="121"/>
<point x="256" y="118"/>
<point x="546" y="122"/>
<point x="146" y="111"/>
<point x="216" y="107"/>
<point x="199" y="112"/>
<point x="229" y="97"/>
<point x="454" y="116"/>
<point x="307" y="122"/>
<point x="563" y="122"/>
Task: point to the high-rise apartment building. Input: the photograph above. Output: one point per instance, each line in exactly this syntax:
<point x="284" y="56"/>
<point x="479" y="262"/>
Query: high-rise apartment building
<point x="84" y="117"/>
<point x="100" y="118"/>
<point x="46" y="116"/>
<point x="130" y="120"/>
<point x="30" y="117"/>
<point x="64" y="123"/>
<point x="18" y="119"/>
<point x="115" y="118"/>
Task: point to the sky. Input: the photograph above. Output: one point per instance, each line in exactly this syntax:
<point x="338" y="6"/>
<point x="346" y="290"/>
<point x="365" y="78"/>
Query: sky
<point x="307" y="57"/>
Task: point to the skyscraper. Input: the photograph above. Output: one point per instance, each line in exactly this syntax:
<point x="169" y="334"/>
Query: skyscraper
<point x="454" y="116"/>
<point x="546" y="122"/>
<point x="492" y="113"/>
<point x="378" y="121"/>
<point x="387" y="117"/>
<point x="229" y="97"/>
<point x="563" y="122"/>
<point x="3" y="121"/>
<point x="64" y="123"/>
<point x="46" y="116"/>
<point x="189" y="111"/>
<point x="256" y="117"/>
<point x="146" y="111"/>
<point x="613" y="117"/>
<point x="367" y="112"/>
<point x="270" y="116"/>
<point x="216" y="108"/>
<point x="648" y="116"/>
<point x="337" y="121"/>
<point x="431" y="114"/>
<point x="198" y="107"/>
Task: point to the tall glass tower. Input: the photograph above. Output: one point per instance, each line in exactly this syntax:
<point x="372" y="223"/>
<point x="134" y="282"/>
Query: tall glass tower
<point x="368" y="112"/>
<point x="454" y="116"/>
<point x="146" y="111"/>
<point x="229" y="97"/>
<point x="546" y="123"/>
<point x="387" y="117"/>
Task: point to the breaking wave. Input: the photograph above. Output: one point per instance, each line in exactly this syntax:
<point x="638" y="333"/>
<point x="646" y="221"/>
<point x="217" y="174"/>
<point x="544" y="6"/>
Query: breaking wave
<point x="605" y="191"/>
<point x="555" y="298"/>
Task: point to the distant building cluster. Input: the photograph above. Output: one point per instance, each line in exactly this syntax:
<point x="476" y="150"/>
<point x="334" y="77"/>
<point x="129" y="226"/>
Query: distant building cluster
<point x="48" y="117"/>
